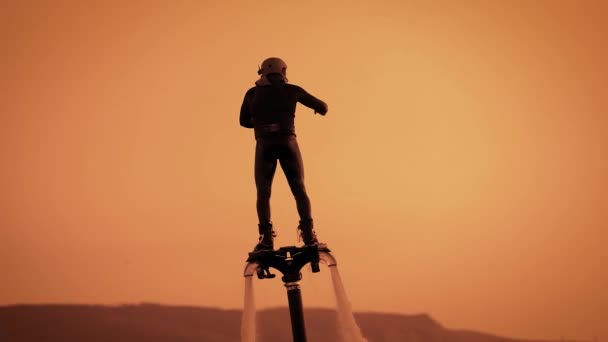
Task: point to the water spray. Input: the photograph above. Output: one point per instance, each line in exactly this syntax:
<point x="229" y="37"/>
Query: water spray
<point x="290" y="261"/>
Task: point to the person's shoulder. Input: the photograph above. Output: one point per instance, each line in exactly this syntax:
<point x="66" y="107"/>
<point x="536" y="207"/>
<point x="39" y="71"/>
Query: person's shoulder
<point x="249" y="92"/>
<point x="294" y="87"/>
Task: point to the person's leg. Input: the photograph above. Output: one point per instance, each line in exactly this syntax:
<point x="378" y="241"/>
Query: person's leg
<point x="293" y="167"/>
<point x="265" y="166"/>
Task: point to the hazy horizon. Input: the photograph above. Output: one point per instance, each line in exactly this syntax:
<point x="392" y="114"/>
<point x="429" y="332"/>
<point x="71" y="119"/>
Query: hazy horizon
<point x="460" y="172"/>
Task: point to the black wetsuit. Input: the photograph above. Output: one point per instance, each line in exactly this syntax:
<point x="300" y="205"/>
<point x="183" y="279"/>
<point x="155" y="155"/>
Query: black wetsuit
<point x="270" y="111"/>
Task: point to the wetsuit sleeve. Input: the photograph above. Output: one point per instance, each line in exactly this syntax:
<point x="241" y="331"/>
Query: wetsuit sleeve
<point x="246" y="117"/>
<point x="312" y="102"/>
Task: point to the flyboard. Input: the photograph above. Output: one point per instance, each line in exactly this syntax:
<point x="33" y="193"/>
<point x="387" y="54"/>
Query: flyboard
<point x="289" y="261"/>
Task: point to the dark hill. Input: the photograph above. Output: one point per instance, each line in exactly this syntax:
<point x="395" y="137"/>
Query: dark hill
<point x="158" y="323"/>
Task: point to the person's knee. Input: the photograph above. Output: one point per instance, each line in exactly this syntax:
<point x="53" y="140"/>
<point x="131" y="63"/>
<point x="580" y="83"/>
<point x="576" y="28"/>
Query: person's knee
<point x="264" y="193"/>
<point x="298" y="189"/>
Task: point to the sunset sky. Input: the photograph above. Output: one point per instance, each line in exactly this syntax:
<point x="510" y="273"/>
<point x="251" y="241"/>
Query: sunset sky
<point x="460" y="172"/>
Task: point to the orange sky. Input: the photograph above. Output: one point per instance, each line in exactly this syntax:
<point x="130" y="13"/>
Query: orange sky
<point x="460" y="170"/>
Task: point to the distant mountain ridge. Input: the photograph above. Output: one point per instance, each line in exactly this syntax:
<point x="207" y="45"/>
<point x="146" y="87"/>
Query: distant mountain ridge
<point x="162" y="323"/>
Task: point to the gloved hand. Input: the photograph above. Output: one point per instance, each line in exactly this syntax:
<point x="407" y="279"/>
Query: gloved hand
<point x="324" y="110"/>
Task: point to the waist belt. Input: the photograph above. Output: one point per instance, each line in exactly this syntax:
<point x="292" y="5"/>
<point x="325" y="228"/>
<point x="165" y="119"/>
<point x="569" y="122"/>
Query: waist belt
<point x="269" y="128"/>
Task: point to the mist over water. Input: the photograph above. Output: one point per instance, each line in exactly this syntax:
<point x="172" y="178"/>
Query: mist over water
<point x="348" y="329"/>
<point x="248" y="329"/>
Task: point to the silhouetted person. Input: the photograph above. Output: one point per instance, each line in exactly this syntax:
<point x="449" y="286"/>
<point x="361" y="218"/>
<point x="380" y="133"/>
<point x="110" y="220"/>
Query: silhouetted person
<point x="269" y="108"/>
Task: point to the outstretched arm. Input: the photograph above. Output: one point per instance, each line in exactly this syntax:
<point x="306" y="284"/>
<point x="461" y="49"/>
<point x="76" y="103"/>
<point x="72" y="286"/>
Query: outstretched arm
<point x="312" y="102"/>
<point x="246" y="117"/>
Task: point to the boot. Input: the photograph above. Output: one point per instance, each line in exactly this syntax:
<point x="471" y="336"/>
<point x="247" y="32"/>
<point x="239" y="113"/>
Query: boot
<point x="307" y="234"/>
<point x="267" y="235"/>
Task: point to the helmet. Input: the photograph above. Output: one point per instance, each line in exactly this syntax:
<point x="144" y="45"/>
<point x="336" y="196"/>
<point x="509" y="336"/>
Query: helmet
<point x="273" y="65"/>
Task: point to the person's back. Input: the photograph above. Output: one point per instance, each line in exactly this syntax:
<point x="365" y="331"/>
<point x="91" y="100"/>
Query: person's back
<point x="269" y="108"/>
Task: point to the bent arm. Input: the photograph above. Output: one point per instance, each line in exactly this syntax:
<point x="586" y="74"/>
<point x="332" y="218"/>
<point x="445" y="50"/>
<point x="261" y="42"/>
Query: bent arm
<point x="312" y="102"/>
<point x="246" y="117"/>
